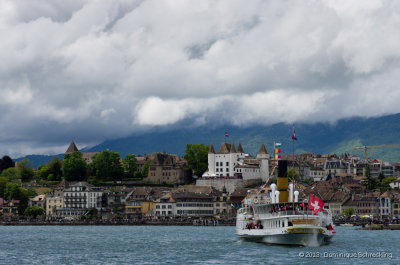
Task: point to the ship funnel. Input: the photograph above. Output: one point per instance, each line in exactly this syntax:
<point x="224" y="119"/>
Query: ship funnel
<point x="296" y="196"/>
<point x="282" y="181"/>
<point x="290" y="192"/>
<point x="273" y="189"/>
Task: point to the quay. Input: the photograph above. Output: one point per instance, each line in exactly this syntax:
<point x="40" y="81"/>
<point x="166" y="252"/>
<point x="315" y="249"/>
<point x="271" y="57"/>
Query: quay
<point x="186" y="222"/>
<point x="380" y="227"/>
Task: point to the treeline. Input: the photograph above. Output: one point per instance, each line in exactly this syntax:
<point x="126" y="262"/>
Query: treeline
<point x="105" y="166"/>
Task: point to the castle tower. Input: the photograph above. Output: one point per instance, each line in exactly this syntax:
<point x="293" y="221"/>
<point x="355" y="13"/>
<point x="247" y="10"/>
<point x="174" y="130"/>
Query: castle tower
<point x="233" y="156"/>
<point x="211" y="160"/>
<point x="71" y="148"/>
<point x="263" y="157"/>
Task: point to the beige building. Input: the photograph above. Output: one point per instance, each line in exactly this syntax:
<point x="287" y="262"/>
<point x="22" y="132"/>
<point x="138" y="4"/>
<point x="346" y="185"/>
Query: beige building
<point x="165" y="168"/>
<point x="52" y="204"/>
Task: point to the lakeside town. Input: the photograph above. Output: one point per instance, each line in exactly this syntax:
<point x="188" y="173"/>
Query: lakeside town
<point x="205" y="187"/>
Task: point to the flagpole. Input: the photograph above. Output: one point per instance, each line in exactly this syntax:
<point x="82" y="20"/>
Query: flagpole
<point x="293" y="167"/>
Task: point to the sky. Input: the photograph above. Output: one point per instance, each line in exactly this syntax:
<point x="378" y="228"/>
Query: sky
<point x="95" y="70"/>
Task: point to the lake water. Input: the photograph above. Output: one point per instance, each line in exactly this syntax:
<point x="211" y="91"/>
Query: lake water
<point x="184" y="245"/>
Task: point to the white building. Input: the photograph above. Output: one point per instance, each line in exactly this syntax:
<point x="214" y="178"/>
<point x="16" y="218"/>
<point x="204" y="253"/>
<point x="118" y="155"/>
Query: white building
<point x="231" y="162"/>
<point x="82" y="195"/>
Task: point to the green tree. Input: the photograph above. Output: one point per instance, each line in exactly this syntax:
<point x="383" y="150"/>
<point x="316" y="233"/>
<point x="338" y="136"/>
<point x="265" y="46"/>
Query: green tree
<point x="369" y="182"/>
<point x="55" y="168"/>
<point x="12" y="191"/>
<point x="348" y="212"/>
<point x="385" y="183"/>
<point x="380" y="177"/>
<point x="25" y="169"/>
<point x="42" y="172"/>
<point x="196" y="156"/>
<point x="11" y="174"/>
<point x="33" y="211"/>
<point x="74" y="167"/>
<point x="130" y="165"/>
<point x="290" y="175"/>
<point x="3" y="183"/>
<point x="107" y="166"/>
<point x="145" y="169"/>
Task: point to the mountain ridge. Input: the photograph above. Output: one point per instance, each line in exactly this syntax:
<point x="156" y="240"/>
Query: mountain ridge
<point x="319" y="138"/>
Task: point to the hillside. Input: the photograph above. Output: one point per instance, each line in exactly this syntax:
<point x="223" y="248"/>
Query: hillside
<point x="317" y="138"/>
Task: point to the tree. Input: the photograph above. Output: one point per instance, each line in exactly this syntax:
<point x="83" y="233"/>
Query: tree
<point x="385" y="183"/>
<point x="25" y="169"/>
<point x="11" y="174"/>
<point x="196" y="156"/>
<point x="290" y="175"/>
<point x="3" y="183"/>
<point x="55" y="168"/>
<point x="74" y="167"/>
<point x="12" y="191"/>
<point x="42" y="172"/>
<point x="380" y="177"/>
<point x="6" y="162"/>
<point x="107" y="166"/>
<point x="369" y="182"/>
<point x="130" y="165"/>
<point x="33" y="211"/>
<point x="348" y="212"/>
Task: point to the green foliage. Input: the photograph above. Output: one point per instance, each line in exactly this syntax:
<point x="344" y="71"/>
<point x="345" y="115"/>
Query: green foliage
<point x="11" y="174"/>
<point x="107" y="166"/>
<point x="145" y="168"/>
<point x="3" y="183"/>
<point x="348" y="212"/>
<point x="25" y="169"/>
<point x="369" y="182"/>
<point x="196" y="156"/>
<point x="93" y="213"/>
<point x="74" y="167"/>
<point x="42" y="172"/>
<point x="130" y="165"/>
<point x="55" y="168"/>
<point x="385" y="183"/>
<point x="33" y="211"/>
<point x="380" y="177"/>
<point x="290" y="175"/>
<point x="12" y="191"/>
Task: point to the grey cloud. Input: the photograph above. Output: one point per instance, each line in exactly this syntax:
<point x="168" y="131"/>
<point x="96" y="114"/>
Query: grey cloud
<point x="92" y="70"/>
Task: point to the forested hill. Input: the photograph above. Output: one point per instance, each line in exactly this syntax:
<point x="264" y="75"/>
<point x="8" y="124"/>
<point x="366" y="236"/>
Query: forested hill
<point x="319" y="138"/>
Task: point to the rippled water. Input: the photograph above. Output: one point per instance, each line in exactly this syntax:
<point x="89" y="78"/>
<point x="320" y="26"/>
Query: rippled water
<point x="183" y="245"/>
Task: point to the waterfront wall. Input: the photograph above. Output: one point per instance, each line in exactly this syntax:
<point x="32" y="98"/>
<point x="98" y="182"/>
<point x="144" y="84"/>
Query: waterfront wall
<point x="219" y="183"/>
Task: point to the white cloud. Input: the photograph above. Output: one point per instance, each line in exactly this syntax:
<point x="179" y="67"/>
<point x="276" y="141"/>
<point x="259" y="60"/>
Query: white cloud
<point x="118" y="66"/>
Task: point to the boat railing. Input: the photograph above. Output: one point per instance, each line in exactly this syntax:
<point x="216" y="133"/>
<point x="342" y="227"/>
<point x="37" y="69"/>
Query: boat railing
<point x="285" y="213"/>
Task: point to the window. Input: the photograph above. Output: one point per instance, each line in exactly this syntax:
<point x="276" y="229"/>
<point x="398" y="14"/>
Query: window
<point x="217" y="163"/>
<point x="227" y="169"/>
<point x="227" y="164"/>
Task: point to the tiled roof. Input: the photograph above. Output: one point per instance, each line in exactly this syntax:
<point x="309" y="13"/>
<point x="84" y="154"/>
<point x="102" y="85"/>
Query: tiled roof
<point x="71" y="148"/>
<point x="211" y="150"/>
<point x="224" y="149"/>
<point x="262" y="150"/>
<point x="240" y="148"/>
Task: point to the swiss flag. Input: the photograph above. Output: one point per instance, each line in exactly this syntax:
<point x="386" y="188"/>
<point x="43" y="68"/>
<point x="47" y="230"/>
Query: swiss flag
<point x="315" y="204"/>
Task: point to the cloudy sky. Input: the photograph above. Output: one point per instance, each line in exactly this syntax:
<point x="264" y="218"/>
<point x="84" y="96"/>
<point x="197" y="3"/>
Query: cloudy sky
<point x="94" y="70"/>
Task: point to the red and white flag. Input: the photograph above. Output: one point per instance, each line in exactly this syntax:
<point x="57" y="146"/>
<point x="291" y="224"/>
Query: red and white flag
<point x="315" y="204"/>
<point x="226" y="134"/>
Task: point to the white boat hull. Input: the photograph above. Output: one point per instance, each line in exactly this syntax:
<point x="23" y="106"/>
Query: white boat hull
<point x="296" y="239"/>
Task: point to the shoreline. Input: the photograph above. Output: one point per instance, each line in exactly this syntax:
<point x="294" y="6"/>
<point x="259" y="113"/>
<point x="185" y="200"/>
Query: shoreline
<point x="113" y="223"/>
